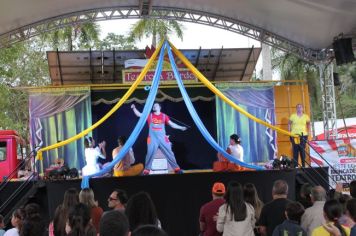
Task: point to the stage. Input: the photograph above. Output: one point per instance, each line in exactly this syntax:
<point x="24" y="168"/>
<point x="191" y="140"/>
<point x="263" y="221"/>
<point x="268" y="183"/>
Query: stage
<point x="178" y="197"/>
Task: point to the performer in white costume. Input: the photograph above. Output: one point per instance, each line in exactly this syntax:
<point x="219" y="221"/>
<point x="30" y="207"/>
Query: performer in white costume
<point x="91" y="156"/>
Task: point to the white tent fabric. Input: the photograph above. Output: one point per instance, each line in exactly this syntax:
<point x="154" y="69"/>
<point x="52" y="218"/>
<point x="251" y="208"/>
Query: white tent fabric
<point x="311" y="23"/>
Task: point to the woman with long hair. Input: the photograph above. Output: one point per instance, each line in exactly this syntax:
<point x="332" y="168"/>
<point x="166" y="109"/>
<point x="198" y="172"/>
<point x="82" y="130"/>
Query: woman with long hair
<point x="78" y="223"/>
<point x="332" y="213"/>
<point x="86" y="196"/>
<point x="236" y="217"/>
<point x="140" y="210"/>
<point x="16" y="220"/>
<point x="251" y="196"/>
<point x="70" y="199"/>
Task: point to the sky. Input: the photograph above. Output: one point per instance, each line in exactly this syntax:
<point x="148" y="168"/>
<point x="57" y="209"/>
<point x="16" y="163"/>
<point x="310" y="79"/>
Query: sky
<point x="194" y="37"/>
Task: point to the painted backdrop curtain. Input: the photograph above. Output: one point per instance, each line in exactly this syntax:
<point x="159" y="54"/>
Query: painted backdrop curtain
<point x="258" y="141"/>
<point x="58" y="114"/>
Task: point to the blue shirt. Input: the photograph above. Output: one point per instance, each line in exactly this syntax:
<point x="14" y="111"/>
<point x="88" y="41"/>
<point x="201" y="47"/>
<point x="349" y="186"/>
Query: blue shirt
<point x="289" y="228"/>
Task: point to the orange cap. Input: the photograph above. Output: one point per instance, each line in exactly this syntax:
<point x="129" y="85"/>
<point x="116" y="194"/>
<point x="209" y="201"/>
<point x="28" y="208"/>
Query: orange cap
<point x="218" y="188"/>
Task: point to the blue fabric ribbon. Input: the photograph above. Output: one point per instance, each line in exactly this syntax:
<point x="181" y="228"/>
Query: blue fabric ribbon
<point x="198" y="121"/>
<point x="140" y="124"/>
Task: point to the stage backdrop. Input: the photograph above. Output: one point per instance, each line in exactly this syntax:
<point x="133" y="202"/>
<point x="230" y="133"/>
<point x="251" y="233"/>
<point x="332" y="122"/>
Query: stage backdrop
<point x="56" y="115"/>
<point x="258" y="141"/>
<point x="190" y="148"/>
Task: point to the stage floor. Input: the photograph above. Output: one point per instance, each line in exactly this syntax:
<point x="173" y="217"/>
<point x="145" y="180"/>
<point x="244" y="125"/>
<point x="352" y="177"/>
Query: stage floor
<point x="178" y="197"/>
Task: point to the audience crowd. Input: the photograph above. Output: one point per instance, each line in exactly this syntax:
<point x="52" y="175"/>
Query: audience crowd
<point x="234" y="210"/>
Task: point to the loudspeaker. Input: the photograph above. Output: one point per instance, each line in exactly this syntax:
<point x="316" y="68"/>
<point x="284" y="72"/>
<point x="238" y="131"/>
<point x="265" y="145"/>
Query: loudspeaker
<point x="336" y="79"/>
<point x="343" y="51"/>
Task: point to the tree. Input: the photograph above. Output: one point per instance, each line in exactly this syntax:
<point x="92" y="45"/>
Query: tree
<point x="156" y="28"/>
<point x="292" y="68"/>
<point x="117" y="42"/>
<point x="23" y="64"/>
<point x="76" y="37"/>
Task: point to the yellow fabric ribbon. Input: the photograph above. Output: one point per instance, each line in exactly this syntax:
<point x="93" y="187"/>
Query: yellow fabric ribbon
<point x="209" y="85"/>
<point x="104" y="118"/>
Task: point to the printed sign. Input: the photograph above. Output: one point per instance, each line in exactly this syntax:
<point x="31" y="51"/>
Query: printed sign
<point x="339" y="155"/>
<point x="167" y="76"/>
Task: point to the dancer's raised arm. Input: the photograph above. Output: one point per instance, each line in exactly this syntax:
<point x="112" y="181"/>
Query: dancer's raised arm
<point x="137" y="113"/>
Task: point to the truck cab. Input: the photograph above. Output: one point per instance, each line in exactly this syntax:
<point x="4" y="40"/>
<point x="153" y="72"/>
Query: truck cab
<point x="11" y="146"/>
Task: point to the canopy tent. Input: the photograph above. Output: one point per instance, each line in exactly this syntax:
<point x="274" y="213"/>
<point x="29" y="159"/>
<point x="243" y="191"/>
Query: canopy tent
<point x="311" y="24"/>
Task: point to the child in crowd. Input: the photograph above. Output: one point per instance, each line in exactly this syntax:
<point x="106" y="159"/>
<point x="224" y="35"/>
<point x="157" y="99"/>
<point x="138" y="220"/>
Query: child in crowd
<point x="16" y="221"/>
<point x="332" y="213"/>
<point x="291" y="226"/>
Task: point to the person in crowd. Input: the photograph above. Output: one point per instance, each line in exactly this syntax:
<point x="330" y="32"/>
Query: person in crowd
<point x="2" y="225"/>
<point x="86" y="196"/>
<point x="114" y="223"/>
<point x="157" y="137"/>
<point x="33" y="224"/>
<point x="16" y="220"/>
<point x="291" y="226"/>
<point x="299" y="124"/>
<point x="124" y="168"/>
<point x="234" y="149"/>
<point x="251" y="196"/>
<point x="351" y="212"/>
<point x="305" y="195"/>
<point x="312" y="216"/>
<point x="273" y="213"/>
<point x="148" y="230"/>
<point x="117" y="200"/>
<point x="353" y="188"/>
<point x="79" y="223"/>
<point x="345" y="219"/>
<point x="236" y="217"/>
<point x="208" y="211"/>
<point x="332" y="212"/>
<point x="70" y="199"/>
<point x="92" y="154"/>
<point x="140" y="210"/>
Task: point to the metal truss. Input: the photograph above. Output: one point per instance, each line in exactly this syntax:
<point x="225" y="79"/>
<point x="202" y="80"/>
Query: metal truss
<point x="186" y="15"/>
<point x="328" y="100"/>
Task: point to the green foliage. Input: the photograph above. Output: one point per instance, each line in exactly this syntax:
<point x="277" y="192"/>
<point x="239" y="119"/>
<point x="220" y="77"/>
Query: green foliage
<point x="158" y="29"/>
<point x="348" y="72"/>
<point x="77" y="37"/>
<point x="117" y="42"/>
<point x="23" y="64"/>
<point x="292" y="68"/>
<point x="15" y="115"/>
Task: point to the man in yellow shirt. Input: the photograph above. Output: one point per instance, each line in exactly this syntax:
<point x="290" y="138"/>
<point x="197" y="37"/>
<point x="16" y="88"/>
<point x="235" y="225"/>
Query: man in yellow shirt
<point x="299" y="124"/>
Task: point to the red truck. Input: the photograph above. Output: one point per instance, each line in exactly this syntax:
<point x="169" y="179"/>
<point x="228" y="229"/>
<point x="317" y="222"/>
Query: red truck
<point x="11" y="152"/>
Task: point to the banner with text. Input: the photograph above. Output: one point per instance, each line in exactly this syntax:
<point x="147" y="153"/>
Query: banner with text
<point x="340" y="154"/>
<point x="167" y="76"/>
